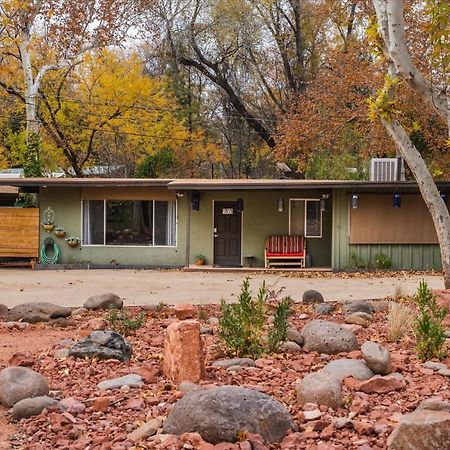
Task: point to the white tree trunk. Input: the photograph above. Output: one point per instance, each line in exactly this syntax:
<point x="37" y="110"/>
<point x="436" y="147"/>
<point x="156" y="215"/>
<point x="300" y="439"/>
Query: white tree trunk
<point x="392" y="29"/>
<point x="428" y="189"/>
<point x="30" y="90"/>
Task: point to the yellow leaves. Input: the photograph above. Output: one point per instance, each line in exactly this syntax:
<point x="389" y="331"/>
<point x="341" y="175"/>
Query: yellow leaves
<point x="374" y="38"/>
<point x="384" y="104"/>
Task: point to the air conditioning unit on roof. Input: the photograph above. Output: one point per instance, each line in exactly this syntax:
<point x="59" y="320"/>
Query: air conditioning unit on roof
<point x="387" y="169"/>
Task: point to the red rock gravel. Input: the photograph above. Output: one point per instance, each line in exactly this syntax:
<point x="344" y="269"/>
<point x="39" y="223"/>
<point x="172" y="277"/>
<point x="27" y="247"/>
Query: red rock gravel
<point x="110" y="416"/>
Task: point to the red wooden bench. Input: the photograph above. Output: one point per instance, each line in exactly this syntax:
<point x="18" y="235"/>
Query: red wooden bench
<point x="285" y="251"/>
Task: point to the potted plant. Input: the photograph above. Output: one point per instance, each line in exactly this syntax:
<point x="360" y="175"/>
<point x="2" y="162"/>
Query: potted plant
<point x="59" y="232"/>
<point x="48" y="225"/>
<point x="200" y="260"/>
<point x="73" y="241"/>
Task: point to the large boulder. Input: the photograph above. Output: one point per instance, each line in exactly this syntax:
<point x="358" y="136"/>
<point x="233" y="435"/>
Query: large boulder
<point x="343" y="368"/>
<point x="311" y="296"/>
<point x="183" y="352"/>
<point x="377" y="357"/>
<point x="17" y="383"/>
<point x="102" y="345"/>
<point x="219" y="414"/>
<point x="103" y="301"/>
<point x="38" y="312"/>
<point x="328" y="337"/>
<point x="320" y="388"/>
<point x="422" y="430"/>
<point x="29" y="407"/>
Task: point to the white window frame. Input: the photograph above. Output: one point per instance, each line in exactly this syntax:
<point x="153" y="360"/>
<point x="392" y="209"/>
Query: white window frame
<point x="104" y="245"/>
<point x="306" y="200"/>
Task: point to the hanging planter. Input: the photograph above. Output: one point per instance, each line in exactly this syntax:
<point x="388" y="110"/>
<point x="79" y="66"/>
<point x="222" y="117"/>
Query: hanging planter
<point x="48" y="225"/>
<point x="59" y="232"/>
<point x="73" y="241"/>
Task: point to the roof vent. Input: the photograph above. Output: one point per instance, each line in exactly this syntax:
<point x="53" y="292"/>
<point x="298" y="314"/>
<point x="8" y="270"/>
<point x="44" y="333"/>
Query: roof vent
<point x="387" y="169"/>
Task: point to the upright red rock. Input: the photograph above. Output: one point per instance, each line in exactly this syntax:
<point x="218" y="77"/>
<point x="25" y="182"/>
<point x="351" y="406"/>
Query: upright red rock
<point x="183" y="352"/>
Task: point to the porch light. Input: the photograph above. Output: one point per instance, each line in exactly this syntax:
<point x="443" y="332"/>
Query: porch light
<point x="195" y="201"/>
<point x="280" y="204"/>
<point x="444" y="196"/>
<point x="322" y="204"/>
<point x="239" y="205"/>
<point x="355" y="201"/>
<point x="396" y="201"/>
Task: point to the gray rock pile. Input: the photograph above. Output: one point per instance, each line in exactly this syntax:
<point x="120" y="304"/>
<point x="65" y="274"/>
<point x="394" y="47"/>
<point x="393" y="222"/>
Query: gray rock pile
<point x="103" y="345"/>
<point x="37" y="312"/>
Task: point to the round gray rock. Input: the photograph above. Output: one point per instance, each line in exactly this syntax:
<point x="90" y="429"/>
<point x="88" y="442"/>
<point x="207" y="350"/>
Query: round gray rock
<point x="343" y="368"/>
<point x="377" y="357"/>
<point x="103" y="301"/>
<point x="219" y="414"/>
<point x="17" y="383"/>
<point x="3" y="310"/>
<point x="29" y="407"/>
<point x="320" y="388"/>
<point x="323" y="309"/>
<point x="294" y="336"/>
<point x="328" y="337"/>
<point x="229" y="362"/>
<point x="358" y="306"/>
<point x="38" y="312"/>
<point x="311" y="296"/>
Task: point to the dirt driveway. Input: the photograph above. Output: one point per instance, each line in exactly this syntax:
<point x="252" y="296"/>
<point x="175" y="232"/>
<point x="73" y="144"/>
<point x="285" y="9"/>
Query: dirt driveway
<point x="140" y="287"/>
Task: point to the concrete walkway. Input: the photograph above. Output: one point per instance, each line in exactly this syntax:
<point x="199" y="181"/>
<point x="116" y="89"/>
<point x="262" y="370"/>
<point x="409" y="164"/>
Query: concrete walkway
<point x="139" y="287"/>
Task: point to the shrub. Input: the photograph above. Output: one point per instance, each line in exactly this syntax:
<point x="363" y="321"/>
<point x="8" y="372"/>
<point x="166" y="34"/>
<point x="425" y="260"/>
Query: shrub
<point x="242" y="324"/>
<point x="122" y="323"/>
<point x="429" y="328"/>
<point x="279" y="328"/>
<point x="400" y="320"/>
<point x="356" y="262"/>
<point x="382" y="261"/>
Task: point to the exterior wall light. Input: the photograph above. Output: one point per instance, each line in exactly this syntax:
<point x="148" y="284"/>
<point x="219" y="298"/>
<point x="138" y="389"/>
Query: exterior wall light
<point x="239" y="205"/>
<point x="280" y="204"/>
<point x="195" y="201"/>
<point x="396" y="201"/>
<point x="322" y="204"/>
<point x="355" y="201"/>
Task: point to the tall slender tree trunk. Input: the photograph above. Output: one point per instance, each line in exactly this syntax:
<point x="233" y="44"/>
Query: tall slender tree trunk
<point x="430" y="193"/>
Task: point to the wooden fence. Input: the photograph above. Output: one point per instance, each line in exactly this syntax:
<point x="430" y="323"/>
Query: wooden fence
<point x="19" y="232"/>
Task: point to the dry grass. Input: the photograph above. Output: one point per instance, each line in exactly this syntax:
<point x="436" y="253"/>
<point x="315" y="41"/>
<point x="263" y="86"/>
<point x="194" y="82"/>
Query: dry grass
<point x="399" y="320"/>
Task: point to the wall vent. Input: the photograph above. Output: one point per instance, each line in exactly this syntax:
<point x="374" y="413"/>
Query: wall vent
<point x="387" y="169"/>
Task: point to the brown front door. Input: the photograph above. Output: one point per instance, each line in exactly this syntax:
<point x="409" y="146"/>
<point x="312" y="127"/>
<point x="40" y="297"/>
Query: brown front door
<point x="227" y="234"/>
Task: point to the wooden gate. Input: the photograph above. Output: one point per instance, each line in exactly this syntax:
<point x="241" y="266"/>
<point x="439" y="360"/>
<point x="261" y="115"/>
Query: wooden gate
<point x="19" y="232"/>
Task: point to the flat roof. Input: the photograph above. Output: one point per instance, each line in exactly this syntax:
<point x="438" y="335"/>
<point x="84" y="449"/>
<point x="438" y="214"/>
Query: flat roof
<point x="212" y="184"/>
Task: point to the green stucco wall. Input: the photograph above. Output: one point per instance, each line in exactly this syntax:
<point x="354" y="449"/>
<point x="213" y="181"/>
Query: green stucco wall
<point x="402" y="256"/>
<point x="260" y="219"/>
<point x="66" y="203"/>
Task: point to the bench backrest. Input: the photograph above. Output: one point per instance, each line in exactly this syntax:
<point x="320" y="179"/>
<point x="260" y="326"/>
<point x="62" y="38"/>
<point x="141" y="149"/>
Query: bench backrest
<point x="285" y="244"/>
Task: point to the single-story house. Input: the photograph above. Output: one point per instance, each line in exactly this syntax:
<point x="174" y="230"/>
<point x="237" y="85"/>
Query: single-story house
<point x="167" y="222"/>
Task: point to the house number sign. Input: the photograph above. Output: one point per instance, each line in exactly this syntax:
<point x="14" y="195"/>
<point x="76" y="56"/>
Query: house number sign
<point x="227" y="211"/>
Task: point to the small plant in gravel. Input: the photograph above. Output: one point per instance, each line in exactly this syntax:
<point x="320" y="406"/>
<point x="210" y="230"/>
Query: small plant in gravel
<point x="278" y="331"/>
<point x="429" y="327"/>
<point x="400" y="320"/>
<point x="242" y="324"/>
<point x="122" y="323"/>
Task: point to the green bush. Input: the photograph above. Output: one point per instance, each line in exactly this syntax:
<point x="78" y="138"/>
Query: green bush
<point x="429" y="328"/>
<point x="242" y="324"/>
<point x="382" y="261"/>
<point x="122" y="323"/>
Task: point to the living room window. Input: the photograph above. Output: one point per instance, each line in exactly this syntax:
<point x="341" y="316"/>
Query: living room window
<point x="129" y="222"/>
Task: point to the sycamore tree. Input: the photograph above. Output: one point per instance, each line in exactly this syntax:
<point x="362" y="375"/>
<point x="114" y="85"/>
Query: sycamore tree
<point x="41" y="36"/>
<point x="431" y="85"/>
